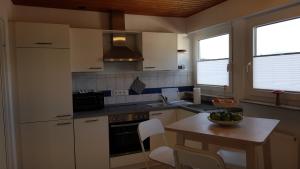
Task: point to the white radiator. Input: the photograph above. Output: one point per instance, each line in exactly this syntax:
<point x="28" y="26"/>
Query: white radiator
<point x="284" y="152"/>
<point x="284" y="148"/>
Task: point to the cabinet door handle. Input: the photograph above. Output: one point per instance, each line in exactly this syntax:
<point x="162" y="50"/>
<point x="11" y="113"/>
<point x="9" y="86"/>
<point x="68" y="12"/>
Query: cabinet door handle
<point x="43" y="43"/>
<point x="63" y="124"/>
<point x="91" y="121"/>
<point x="63" y="115"/>
<point x="95" y="68"/>
<point x="156" y="114"/>
<point x="150" y="67"/>
<point x="124" y="125"/>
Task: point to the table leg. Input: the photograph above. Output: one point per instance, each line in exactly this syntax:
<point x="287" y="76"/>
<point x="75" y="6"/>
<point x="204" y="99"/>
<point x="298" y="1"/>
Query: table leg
<point x="205" y="146"/>
<point x="267" y="155"/>
<point x="180" y="139"/>
<point x="250" y="157"/>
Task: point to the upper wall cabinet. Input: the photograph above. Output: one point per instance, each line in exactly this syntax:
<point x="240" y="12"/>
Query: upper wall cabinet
<point x="159" y="51"/>
<point x="86" y="50"/>
<point x="42" y="35"/>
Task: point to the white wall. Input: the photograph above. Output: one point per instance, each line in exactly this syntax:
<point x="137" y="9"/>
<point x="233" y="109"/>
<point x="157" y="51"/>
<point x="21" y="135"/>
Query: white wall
<point x="229" y="10"/>
<point x="74" y="18"/>
<point x="155" y="23"/>
<point x="5" y="8"/>
<point x="5" y="15"/>
<point x="2" y="131"/>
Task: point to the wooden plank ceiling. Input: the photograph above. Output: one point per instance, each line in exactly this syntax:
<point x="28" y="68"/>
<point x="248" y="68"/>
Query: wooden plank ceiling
<point x="172" y="8"/>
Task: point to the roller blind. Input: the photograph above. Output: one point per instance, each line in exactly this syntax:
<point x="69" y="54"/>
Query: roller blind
<point x="276" y="60"/>
<point x="213" y="61"/>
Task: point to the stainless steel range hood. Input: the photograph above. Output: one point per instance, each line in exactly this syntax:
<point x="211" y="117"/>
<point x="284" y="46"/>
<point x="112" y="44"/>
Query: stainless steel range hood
<point x="119" y="51"/>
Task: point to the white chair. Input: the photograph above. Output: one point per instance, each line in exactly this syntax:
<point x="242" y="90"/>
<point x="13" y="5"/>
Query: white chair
<point x="162" y="154"/>
<point x="197" y="159"/>
<point x="234" y="159"/>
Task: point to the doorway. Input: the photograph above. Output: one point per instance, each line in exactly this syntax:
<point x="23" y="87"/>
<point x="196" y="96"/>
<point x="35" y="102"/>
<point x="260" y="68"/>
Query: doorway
<point x="2" y="127"/>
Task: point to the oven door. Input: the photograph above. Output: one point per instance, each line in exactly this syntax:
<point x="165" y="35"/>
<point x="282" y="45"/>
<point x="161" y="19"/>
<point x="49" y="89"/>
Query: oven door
<point x="124" y="139"/>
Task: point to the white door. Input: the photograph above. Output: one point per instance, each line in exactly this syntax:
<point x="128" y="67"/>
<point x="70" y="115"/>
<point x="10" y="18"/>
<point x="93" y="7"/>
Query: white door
<point x="48" y="145"/>
<point x="92" y="143"/>
<point x="2" y="135"/>
<point x="44" y="84"/>
<point x="86" y="50"/>
<point x="166" y="117"/>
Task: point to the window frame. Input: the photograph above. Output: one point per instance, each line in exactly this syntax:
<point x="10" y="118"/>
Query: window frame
<point x="210" y="32"/>
<point x="265" y="95"/>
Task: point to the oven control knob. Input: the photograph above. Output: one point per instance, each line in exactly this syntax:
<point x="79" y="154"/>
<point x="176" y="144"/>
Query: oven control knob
<point x="141" y="117"/>
<point x="113" y="119"/>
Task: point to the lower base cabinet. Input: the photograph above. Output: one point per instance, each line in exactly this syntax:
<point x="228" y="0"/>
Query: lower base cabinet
<point x="92" y="143"/>
<point x="166" y="117"/>
<point x="182" y="114"/>
<point x="47" y="145"/>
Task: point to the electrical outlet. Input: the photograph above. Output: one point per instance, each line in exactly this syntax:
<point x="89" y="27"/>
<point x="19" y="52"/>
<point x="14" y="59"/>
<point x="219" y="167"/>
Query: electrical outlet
<point x="114" y="93"/>
<point x="120" y="93"/>
<point x="125" y="92"/>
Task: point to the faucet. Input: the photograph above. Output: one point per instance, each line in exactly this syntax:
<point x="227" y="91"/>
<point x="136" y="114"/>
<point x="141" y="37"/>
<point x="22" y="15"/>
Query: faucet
<point x="164" y="99"/>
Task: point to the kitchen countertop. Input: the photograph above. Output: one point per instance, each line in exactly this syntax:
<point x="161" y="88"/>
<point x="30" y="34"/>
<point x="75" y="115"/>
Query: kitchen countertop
<point x="143" y="107"/>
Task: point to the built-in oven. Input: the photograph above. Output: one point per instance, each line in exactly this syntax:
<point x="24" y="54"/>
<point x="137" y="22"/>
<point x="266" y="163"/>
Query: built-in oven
<point x="123" y="133"/>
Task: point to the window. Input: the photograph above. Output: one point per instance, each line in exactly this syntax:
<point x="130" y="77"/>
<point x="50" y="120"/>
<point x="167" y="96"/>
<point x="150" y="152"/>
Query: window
<point x="276" y="58"/>
<point x="213" y="60"/>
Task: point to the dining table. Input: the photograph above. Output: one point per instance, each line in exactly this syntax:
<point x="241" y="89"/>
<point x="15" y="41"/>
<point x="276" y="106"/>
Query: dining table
<point x="246" y="136"/>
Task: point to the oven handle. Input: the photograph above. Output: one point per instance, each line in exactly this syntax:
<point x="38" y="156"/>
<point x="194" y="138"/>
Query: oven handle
<point x="124" y="125"/>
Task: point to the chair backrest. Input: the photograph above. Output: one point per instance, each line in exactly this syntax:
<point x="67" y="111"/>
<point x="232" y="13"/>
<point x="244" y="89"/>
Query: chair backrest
<point x="150" y="128"/>
<point x="188" y="157"/>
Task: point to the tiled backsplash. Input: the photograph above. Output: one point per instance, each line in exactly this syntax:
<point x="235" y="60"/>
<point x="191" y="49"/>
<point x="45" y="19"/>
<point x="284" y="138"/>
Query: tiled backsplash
<point x="122" y="81"/>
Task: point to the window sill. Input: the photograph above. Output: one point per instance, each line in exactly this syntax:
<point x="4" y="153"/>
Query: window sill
<point x="269" y="104"/>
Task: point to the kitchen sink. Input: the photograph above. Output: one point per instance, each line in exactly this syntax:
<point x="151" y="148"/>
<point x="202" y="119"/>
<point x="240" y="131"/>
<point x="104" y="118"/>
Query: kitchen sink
<point x="156" y="104"/>
<point x="174" y="103"/>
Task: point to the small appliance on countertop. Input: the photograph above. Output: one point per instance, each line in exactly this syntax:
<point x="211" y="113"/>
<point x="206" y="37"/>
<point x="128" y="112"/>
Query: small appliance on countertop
<point x="87" y="100"/>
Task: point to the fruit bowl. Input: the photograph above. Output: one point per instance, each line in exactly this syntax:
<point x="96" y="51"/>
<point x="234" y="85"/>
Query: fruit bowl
<point x="225" y="123"/>
<point x="225" y="118"/>
<point x="224" y="103"/>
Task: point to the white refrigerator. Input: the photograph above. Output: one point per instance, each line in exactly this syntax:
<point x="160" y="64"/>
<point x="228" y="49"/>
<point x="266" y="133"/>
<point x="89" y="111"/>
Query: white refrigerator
<point x="45" y="108"/>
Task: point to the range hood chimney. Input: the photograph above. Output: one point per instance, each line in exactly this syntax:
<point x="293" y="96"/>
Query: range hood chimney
<point x="119" y="51"/>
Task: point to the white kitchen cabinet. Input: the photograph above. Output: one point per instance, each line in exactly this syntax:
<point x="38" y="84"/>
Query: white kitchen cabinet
<point x="42" y="35"/>
<point x="44" y="84"/>
<point x="166" y="117"/>
<point x="182" y="114"/>
<point x="86" y="50"/>
<point x="92" y="143"/>
<point x="48" y="145"/>
<point x="159" y="51"/>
